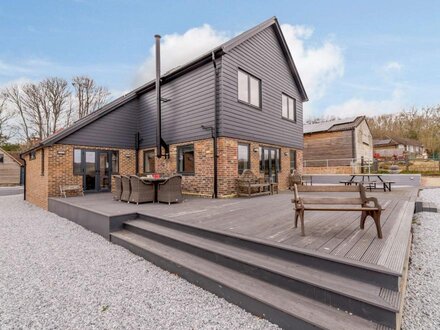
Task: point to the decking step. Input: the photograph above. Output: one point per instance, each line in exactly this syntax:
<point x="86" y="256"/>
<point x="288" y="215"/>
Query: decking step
<point x="287" y="309"/>
<point x="360" y="271"/>
<point x="363" y="299"/>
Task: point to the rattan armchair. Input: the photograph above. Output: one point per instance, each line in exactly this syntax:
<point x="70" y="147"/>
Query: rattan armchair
<point x="170" y="191"/>
<point x="141" y="192"/>
<point x="117" y="191"/>
<point x="126" y="189"/>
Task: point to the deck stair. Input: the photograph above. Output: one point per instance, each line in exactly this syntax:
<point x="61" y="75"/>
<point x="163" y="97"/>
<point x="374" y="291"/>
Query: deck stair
<point x="289" y="287"/>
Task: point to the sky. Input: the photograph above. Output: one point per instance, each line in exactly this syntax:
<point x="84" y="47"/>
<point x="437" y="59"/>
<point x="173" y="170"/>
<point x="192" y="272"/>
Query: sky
<point x="354" y="57"/>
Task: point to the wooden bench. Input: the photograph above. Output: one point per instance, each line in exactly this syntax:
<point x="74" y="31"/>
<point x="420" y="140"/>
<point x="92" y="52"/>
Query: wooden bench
<point x="338" y="204"/>
<point x="248" y="184"/>
<point x="70" y="188"/>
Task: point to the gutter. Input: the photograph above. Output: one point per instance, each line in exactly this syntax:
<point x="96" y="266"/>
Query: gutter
<point x="24" y="176"/>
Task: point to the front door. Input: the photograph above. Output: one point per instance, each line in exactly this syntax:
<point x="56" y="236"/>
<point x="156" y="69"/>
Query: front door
<point x="271" y="163"/>
<point x="97" y="170"/>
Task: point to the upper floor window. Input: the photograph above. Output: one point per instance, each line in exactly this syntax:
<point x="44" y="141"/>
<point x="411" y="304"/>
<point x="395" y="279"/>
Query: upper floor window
<point x="185" y="159"/>
<point x="149" y="161"/>
<point x="288" y="107"/>
<point x="2" y="158"/>
<point x="243" y="157"/>
<point x="32" y="155"/>
<point x="249" y="89"/>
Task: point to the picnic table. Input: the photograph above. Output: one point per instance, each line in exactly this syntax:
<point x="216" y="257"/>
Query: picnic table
<point x="369" y="182"/>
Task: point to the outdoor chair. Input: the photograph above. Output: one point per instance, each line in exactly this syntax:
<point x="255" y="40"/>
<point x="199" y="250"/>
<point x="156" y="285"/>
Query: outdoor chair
<point x="126" y="189"/>
<point x="141" y="192"/>
<point x="170" y="191"/>
<point x="117" y="191"/>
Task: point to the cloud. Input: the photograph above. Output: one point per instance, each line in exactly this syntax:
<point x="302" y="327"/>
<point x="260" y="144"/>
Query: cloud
<point x="392" y="66"/>
<point x="319" y="65"/>
<point x="359" y="106"/>
<point x="177" y="49"/>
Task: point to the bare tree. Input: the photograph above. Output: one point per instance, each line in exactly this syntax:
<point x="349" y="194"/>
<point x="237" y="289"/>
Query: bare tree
<point x="4" y="118"/>
<point x="14" y="96"/>
<point x="89" y="96"/>
<point x="57" y="96"/>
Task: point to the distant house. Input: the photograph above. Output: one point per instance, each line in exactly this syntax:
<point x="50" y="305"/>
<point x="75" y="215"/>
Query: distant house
<point x="398" y="147"/>
<point x="10" y="167"/>
<point x="236" y="107"/>
<point x="334" y="146"/>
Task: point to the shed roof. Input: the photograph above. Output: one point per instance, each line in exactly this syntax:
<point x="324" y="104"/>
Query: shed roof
<point x="334" y="125"/>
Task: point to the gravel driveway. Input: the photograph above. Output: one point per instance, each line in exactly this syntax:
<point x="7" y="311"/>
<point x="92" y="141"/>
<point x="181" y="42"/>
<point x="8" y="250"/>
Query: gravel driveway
<point x="422" y="305"/>
<point x="55" y="274"/>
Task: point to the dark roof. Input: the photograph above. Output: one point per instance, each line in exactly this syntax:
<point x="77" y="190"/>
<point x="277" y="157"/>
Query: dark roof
<point x="334" y="125"/>
<point x="392" y="141"/>
<point x="178" y="71"/>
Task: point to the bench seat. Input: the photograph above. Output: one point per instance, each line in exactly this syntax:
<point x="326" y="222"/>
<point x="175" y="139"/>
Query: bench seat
<point x="339" y="204"/>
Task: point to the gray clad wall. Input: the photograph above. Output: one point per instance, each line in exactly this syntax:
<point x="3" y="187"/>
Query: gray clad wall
<point x="190" y="105"/>
<point x="115" y="129"/>
<point x="263" y="57"/>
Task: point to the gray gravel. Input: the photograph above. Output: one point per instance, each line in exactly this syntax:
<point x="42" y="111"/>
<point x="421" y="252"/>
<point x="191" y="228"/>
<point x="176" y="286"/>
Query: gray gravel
<point x="422" y="305"/>
<point x="55" y="274"/>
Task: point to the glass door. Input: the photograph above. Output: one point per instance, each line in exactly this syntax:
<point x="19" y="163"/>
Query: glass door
<point x="90" y="170"/>
<point x="271" y="163"/>
<point x="104" y="171"/>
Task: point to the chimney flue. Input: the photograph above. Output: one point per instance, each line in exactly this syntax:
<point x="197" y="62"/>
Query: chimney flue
<point x="158" y="100"/>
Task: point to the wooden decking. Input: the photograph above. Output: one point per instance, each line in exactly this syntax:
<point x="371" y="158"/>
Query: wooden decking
<point x="247" y="251"/>
<point x="271" y="218"/>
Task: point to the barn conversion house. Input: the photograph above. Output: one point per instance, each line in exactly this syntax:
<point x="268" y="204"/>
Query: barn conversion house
<point x="236" y="107"/>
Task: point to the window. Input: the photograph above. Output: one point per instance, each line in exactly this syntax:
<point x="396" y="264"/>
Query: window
<point x="115" y="162"/>
<point x="77" y="162"/>
<point x="42" y="162"/>
<point x="2" y="158"/>
<point x="292" y="160"/>
<point x="249" y="89"/>
<point x="288" y="110"/>
<point x="185" y="159"/>
<point x="149" y="161"/>
<point x="243" y="157"/>
<point x="32" y="155"/>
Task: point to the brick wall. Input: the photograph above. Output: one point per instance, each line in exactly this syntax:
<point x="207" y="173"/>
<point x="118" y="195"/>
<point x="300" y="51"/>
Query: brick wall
<point x="228" y="164"/>
<point x="202" y="182"/>
<point x="59" y="171"/>
<point x="36" y="183"/>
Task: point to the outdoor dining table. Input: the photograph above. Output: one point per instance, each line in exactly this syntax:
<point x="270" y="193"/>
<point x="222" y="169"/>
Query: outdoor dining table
<point x="155" y="182"/>
<point x="386" y="184"/>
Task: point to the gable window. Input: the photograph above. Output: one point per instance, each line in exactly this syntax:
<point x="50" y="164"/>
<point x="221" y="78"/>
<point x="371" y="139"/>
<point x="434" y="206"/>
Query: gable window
<point x="243" y="157"/>
<point x="2" y="158"/>
<point x="115" y="162"/>
<point x="288" y="110"/>
<point x="185" y="159"/>
<point x="149" y="161"/>
<point x="249" y="89"/>
<point x="292" y="161"/>
<point x="77" y="162"/>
